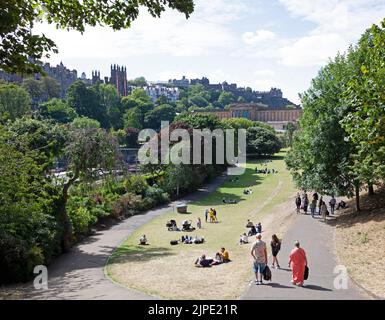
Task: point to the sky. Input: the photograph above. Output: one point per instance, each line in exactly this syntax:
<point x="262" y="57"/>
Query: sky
<point x="256" y="43"/>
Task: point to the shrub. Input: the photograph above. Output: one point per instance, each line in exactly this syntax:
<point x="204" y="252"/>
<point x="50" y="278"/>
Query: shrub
<point x="136" y="184"/>
<point x="17" y="260"/>
<point x="157" y="194"/>
<point x="81" y="220"/>
<point x="128" y="204"/>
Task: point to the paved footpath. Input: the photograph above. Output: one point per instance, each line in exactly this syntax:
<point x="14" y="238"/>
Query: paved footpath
<point x="79" y="274"/>
<point x="316" y="237"/>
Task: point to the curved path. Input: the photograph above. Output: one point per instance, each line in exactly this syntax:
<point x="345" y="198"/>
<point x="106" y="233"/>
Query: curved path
<point x="317" y="238"/>
<point x="79" y="274"/>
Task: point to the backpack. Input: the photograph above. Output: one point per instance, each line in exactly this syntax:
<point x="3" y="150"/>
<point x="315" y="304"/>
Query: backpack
<point x="267" y="274"/>
<point x="174" y="242"/>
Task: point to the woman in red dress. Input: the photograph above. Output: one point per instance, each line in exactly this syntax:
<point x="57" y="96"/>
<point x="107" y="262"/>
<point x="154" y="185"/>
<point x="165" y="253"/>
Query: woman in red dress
<point x="298" y="261"/>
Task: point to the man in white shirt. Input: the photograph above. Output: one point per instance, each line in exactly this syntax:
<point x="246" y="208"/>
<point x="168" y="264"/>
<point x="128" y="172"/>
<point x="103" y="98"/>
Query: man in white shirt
<point x="259" y="253"/>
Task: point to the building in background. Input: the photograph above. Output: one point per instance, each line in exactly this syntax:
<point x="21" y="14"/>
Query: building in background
<point x="277" y="118"/>
<point x="155" y="91"/>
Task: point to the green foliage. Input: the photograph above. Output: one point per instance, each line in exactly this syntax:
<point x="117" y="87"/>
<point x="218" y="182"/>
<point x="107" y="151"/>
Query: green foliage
<point x="154" y="117"/>
<point x="20" y="48"/>
<point x="85" y="123"/>
<point x="41" y="90"/>
<point x="14" y="101"/>
<point x="29" y="233"/>
<point x="138" y="82"/>
<point x="87" y="102"/>
<point x="136" y="184"/>
<point x="226" y="98"/>
<point x="81" y="220"/>
<point x="262" y="142"/>
<point x="199" y="121"/>
<point x="57" y="110"/>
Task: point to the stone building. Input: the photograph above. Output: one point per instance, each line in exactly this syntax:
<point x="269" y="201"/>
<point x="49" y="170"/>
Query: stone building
<point x="277" y="118"/>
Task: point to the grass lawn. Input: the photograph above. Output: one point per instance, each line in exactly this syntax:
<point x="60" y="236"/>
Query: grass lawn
<point x="167" y="271"/>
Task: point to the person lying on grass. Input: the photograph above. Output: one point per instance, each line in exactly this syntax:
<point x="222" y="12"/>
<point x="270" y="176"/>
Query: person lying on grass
<point x="203" y="261"/>
<point x="220" y="257"/>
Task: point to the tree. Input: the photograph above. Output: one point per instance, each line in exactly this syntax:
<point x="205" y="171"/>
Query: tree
<point x="14" y="101"/>
<point x="154" y="117"/>
<point x="86" y="102"/>
<point x="364" y="123"/>
<point x="20" y="49"/>
<point x="41" y="90"/>
<point x="138" y="82"/>
<point x="261" y="142"/>
<point x="88" y="151"/>
<point x="290" y="129"/>
<point x="57" y="110"/>
<point x="200" y="121"/>
<point x="320" y="158"/>
<point x="29" y="231"/>
<point x="110" y="102"/>
<point x="85" y="123"/>
<point x="199" y="101"/>
<point x="226" y="98"/>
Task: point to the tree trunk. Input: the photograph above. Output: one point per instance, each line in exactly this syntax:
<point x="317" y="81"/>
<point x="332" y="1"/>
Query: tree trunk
<point x="371" y="189"/>
<point x="358" y="197"/>
<point x="67" y="236"/>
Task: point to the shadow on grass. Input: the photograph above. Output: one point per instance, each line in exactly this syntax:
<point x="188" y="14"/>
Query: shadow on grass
<point x="136" y="253"/>
<point x="372" y="209"/>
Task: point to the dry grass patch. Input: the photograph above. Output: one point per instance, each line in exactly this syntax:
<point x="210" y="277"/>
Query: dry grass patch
<point x="360" y="242"/>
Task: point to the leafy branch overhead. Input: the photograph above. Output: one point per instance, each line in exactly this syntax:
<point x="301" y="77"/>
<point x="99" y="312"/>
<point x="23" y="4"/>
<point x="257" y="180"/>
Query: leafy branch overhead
<point x="20" y="49"/>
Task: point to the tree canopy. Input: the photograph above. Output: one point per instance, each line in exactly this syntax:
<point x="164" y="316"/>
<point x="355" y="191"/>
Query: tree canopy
<point x="20" y="49"/>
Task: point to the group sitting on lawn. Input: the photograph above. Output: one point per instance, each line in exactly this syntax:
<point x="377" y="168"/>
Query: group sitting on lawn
<point x="220" y="257"/>
<point x="253" y="229"/>
<point x="190" y="240"/>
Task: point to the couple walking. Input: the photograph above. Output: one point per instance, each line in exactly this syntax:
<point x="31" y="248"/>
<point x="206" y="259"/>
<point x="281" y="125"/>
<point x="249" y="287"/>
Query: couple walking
<point x="297" y="260"/>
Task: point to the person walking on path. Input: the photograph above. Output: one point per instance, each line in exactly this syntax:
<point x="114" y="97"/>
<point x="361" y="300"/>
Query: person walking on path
<point x="298" y="202"/>
<point x="305" y="203"/>
<point x="324" y="210"/>
<point x="206" y="214"/>
<point x="275" y="248"/>
<point x="320" y="205"/>
<point x="332" y="204"/>
<point x="259" y="253"/>
<point x="298" y="262"/>
<point x="313" y="207"/>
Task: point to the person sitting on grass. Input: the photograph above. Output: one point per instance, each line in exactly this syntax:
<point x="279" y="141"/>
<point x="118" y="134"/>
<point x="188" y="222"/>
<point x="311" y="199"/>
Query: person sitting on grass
<point x="225" y="255"/>
<point x="252" y="231"/>
<point x="341" y="205"/>
<point x="217" y="259"/>
<point x="143" y="240"/>
<point x="249" y="224"/>
<point x="259" y="227"/>
<point x="247" y="191"/>
<point x="203" y="262"/>
<point x="244" y="239"/>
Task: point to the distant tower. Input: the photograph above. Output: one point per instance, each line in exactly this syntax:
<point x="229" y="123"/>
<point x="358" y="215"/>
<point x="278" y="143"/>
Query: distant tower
<point x="119" y="79"/>
<point x="95" y="77"/>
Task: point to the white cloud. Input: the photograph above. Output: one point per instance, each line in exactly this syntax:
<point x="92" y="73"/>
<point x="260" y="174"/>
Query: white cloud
<point x="338" y="23"/>
<point x="262" y="35"/>
<point x="312" y="50"/>
<point x="208" y="30"/>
